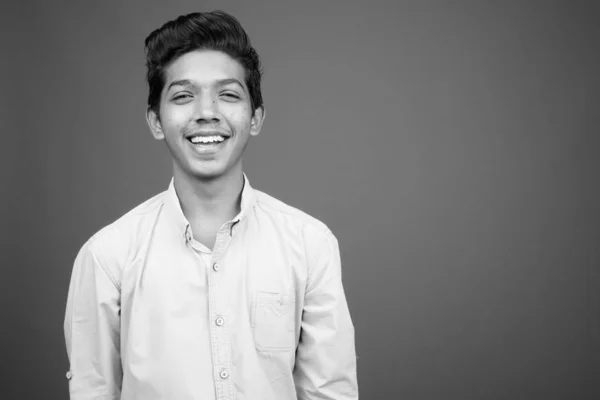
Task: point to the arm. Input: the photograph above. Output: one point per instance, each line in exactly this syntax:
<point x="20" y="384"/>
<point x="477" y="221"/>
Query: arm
<point x="326" y="358"/>
<point x="92" y="330"/>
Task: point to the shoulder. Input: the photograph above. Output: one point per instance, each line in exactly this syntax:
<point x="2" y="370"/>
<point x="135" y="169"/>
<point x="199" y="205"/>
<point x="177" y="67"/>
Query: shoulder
<point x="271" y="205"/>
<point x="117" y="243"/>
<point x="314" y="232"/>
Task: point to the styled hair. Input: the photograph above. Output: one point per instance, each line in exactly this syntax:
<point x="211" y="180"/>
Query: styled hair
<point x="215" y="30"/>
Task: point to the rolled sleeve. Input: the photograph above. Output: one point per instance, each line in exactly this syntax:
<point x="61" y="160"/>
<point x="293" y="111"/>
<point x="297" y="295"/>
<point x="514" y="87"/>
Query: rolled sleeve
<point x="91" y="327"/>
<point x="326" y="357"/>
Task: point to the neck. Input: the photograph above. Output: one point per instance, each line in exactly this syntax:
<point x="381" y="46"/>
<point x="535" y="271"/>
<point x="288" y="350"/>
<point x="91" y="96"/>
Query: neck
<point x="216" y="199"/>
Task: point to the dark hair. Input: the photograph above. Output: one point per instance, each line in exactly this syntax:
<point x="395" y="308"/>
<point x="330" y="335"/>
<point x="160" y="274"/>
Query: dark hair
<point x="214" y="30"/>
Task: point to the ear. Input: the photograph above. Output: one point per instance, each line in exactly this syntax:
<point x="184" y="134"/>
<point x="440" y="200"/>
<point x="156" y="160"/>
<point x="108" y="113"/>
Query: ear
<point x="257" y="121"/>
<point x="154" y="124"/>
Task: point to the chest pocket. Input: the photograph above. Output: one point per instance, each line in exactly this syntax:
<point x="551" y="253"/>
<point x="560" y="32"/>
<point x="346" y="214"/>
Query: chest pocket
<point x="273" y="321"/>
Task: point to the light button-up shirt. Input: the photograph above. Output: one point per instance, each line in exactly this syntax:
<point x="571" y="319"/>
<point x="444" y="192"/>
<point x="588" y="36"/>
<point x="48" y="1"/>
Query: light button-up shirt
<point x="153" y="314"/>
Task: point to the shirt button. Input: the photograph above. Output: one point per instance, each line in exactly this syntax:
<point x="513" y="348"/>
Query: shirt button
<point x="69" y="375"/>
<point x="216" y="267"/>
<point x="224" y="374"/>
<point x="220" y="321"/>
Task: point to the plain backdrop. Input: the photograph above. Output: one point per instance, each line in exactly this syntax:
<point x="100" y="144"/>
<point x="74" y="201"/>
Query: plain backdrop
<point x="452" y="147"/>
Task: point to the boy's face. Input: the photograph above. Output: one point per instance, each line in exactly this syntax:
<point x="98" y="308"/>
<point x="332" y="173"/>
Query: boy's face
<point x="205" y="114"/>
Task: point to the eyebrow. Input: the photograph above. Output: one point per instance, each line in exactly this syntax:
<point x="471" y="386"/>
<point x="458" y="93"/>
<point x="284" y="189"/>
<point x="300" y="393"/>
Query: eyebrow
<point x="220" y="82"/>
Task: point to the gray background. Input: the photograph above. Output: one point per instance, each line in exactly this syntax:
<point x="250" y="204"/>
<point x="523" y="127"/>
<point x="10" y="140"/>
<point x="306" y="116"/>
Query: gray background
<point x="452" y="147"/>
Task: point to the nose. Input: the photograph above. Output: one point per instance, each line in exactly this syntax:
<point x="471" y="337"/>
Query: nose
<point x="206" y="109"/>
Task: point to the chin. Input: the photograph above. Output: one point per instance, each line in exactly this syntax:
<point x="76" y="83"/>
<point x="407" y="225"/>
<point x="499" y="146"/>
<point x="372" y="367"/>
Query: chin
<point x="206" y="175"/>
<point x="214" y="172"/>
<point x="204" y="170"/>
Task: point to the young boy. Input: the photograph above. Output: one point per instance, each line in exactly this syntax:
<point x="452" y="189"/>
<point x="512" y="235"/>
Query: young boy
<point x="211" y="289"/>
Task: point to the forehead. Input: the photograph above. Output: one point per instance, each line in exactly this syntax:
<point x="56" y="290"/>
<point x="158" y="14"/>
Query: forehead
<point x="204" y="67"/>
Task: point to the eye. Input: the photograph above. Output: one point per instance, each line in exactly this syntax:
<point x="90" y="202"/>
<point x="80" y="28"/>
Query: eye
<point x="181" y="97"/>
<point x="230" y="95"/>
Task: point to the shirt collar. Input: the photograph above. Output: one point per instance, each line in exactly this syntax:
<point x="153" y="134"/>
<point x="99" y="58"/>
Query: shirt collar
<point x="172" y="207"/>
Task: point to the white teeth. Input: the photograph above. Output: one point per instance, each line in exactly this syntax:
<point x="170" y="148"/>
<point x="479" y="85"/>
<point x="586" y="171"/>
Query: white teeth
<point x="207" y="139"/>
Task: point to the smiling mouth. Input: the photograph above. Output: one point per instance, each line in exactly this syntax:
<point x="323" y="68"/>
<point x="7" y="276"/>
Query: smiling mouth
<point x="207" y="140"/>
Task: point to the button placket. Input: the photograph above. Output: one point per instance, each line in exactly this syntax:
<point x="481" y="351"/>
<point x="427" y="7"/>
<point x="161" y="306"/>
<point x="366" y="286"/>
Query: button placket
<point x="220" y="342"/>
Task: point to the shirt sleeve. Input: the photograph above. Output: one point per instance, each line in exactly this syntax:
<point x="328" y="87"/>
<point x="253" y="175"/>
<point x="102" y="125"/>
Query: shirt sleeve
<point x="91" y="328"/>
<point x="326" y="357"/>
